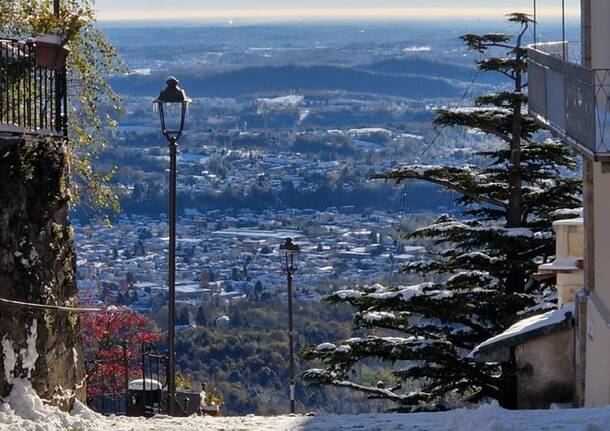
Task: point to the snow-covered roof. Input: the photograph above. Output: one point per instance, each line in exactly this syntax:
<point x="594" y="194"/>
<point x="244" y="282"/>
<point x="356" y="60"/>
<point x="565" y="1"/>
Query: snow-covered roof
<point x="498" y="348"/>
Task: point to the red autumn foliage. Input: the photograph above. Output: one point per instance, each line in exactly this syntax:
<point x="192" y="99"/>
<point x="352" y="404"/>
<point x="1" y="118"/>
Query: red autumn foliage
<point x="112" y="339"/>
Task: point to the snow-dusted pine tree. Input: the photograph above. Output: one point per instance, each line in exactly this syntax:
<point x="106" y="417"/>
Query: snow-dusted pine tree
<point x="479" y="277"/>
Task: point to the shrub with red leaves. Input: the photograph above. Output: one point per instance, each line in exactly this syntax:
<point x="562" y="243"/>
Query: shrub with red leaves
<point x="112" y="340"/>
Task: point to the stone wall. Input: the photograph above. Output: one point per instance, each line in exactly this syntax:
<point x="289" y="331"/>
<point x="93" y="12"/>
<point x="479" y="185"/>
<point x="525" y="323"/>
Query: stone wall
<point x="37" y="265"/>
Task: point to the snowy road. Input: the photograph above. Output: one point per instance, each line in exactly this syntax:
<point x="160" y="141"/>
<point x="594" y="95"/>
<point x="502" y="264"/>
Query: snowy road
<point x="24" y="411"/>
<point x="487" y="418"/>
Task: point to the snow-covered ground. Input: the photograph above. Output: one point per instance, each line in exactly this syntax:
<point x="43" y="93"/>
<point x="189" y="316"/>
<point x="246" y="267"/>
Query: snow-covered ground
<point x="24" y="411"/>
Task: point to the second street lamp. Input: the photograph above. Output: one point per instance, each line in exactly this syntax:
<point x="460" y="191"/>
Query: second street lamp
<point x="172" y="127"/>
<point x="289" y="252"/>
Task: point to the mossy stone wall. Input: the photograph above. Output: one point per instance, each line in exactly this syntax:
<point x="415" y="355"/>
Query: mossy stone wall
<point x="37" y="265"/>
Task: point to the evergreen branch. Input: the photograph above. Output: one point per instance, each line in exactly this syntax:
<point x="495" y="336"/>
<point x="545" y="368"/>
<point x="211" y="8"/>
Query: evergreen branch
<point x="324" y="377"/>
<point x="386" y="394"/>
<point x="434" y="175"/>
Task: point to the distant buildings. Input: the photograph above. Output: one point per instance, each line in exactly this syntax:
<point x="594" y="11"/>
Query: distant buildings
<point x="227" y="264"/>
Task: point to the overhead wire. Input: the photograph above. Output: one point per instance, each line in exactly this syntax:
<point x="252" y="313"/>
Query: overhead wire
<point x="475" y="72"/>
<point x="474" y="75"/>
<point x="535" y="22"/>
<point x="401" y="212"/>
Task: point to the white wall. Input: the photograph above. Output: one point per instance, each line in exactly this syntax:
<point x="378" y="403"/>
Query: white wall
<point x="600" y="37"/>
<point x="597" y="386"/>
<point x="601" y="214"/>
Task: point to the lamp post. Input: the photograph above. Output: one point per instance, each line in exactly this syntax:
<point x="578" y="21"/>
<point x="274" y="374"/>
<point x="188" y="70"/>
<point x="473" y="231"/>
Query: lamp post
<point x="290" y="264"/>
<point x="172" y="128"/>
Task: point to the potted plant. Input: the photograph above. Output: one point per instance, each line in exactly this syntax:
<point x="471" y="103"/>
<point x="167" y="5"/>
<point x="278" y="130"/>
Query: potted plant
<point x="54" y="34"/>
<point x="211" y="410"/>
<point x="211" y="404"/>
<point x="50" y="51"/>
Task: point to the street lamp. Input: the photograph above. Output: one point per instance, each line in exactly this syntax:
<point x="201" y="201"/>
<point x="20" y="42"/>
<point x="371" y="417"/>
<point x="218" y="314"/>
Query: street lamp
<point x="289" y="253"/>
<point x="172" y="127"/>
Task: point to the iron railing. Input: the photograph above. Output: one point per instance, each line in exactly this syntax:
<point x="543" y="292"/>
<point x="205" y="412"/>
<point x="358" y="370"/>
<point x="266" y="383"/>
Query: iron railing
<point x="151" y="401"/>
<point x="108" y="381"/>
<point x="570" y="99"/>
<point x="154" y="370"/>
<point x="110" y="389"/>
<point x="33" y="99"/>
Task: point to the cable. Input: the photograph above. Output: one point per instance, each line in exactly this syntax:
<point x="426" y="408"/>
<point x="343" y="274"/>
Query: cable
<point x="563" y="29"/>
<point x="49" y="307"/>
<point x="401" y="210"/>
<point x="535" y="22"/>
<point x="475" y="72"/>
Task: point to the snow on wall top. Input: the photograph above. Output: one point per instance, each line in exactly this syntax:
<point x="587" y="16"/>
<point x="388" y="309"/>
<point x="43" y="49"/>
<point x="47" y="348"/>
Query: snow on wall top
<point x="570" y="263"/>
<point x="498" y="348"/>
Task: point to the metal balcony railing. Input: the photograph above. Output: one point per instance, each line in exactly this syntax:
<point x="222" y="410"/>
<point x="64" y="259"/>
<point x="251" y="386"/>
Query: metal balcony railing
<point x="570" y="99"/>
<point x="33" y="99"/>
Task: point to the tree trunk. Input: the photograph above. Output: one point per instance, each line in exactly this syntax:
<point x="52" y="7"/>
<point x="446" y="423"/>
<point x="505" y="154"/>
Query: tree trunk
<point x="515" y="281"/>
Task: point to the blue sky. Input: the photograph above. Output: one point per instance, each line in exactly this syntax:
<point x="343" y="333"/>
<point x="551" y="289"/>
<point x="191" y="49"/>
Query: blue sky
<point x="295" y="9"/>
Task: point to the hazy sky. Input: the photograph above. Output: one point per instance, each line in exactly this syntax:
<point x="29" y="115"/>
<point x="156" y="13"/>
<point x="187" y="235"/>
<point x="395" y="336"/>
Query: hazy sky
<point x="291" y="9"/>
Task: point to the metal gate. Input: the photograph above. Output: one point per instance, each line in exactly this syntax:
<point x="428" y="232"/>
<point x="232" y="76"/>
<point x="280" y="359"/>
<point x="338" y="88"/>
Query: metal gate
<point x="148" y="396"/>
<point x="108" y="379"/>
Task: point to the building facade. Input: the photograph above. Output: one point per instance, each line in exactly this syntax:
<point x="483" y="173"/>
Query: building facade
<point x="569" y="89"/>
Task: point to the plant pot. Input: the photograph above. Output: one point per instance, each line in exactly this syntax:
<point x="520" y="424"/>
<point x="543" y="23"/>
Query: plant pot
<point x="50" y="52"/>
<point x="211" y="410"/>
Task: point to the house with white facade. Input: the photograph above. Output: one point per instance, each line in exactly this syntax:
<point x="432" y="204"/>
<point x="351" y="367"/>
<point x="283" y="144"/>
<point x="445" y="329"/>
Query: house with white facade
<point x="569" y="92"/>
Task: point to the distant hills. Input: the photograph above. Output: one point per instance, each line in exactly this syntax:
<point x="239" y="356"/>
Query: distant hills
<point x="412" y="79"/>
<point x="422" y="66"/>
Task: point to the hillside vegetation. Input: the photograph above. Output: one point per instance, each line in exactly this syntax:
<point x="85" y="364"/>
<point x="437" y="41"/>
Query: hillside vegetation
<point x="247" y="361"/>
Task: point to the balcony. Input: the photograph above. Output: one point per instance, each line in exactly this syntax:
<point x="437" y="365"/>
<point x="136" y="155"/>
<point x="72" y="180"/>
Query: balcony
<point x="33" y="97"/>
<point x="570" y="99"/>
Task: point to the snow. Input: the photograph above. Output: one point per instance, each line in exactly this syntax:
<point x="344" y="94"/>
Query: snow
<point x="416" y="48"/>
<point x="530" y="324"/>
<point x="568" y="212"/>
<point x="503" y="231"/>
<point x="343" y="349"/>
<point x="412" y="136"/>
<point x="282" y="101"/>
<point x="146" y="71"/>
<point x="569" y="263"/>
<point x="421" y="170"/>
<point x="29" y="355"/>
<point x="369" y="131"/>
<point x="9" y="358"/>
<point x="404" y="292"/>
<point x="137" y="385"/>
<point x="325" y="347"/>
<point x="23" y="410"/>
<point x="518" y="231"/>
<point x="376" y="316"/>
<point x="349" y="294"/>
<point x="570" y="222"/>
